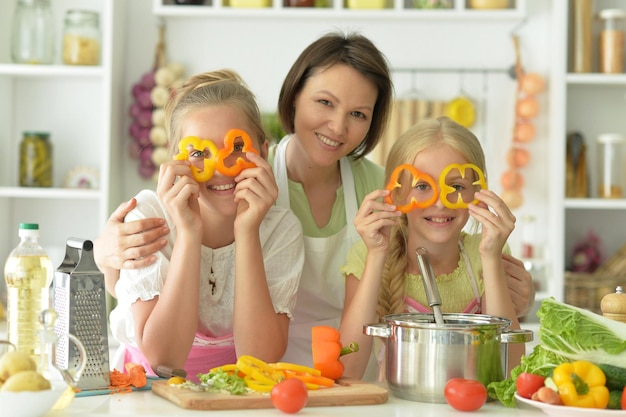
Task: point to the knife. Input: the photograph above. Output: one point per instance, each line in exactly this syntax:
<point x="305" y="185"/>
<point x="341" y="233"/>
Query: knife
<point x="165" y="371"/>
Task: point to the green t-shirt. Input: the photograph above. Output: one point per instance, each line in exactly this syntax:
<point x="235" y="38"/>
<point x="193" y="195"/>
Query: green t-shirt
<point x="455" y="288"/>
<point x="368" y="176"/>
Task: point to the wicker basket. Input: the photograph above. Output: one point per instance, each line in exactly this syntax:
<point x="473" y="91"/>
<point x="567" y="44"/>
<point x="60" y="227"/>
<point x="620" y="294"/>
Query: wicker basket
<point x="587" y="290"/>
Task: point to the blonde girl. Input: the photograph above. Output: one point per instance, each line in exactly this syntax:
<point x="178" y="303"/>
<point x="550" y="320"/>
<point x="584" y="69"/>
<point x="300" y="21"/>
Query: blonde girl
<point x="382" y="272"/>
<point x="233" y="259"/>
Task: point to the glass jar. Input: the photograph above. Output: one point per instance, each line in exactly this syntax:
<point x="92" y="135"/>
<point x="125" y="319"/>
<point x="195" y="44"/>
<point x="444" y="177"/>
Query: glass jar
<point x="612" y="41"/>
<point x="36" y="160"/>
<point x="33" y="36"/>
<point x="81" y="38"/>
<point x="611" y="165"/>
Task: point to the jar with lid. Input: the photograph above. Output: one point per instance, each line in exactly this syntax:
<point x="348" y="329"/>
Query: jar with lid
<point x="36" y="160"/>
<point x="81" y="38"/>
<point x="612" y="41"/>
<point x="33" y="35"/>
<point x="611" y="165"/>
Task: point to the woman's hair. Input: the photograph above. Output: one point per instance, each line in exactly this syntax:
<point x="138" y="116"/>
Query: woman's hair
<point x="350" y="49"/>
<point x="214" y="88"/>
<point x="417" y="138"/>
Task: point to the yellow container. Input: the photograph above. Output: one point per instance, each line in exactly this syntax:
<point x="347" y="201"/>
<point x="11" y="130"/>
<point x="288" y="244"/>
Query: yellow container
<point x="250" y="3"/>
<point x="488" y="4"/>
<point x="366" y="4"/>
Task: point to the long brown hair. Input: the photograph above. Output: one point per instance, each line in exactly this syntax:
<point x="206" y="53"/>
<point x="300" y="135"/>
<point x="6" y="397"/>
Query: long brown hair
<point x="351" y="49"/>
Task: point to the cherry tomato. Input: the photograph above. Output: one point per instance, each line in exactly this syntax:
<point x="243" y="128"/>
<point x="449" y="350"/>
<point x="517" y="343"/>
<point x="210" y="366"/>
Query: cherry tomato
<point x="289" y="396"/>
<point x="624" y="399"/>
<point x="465" y="394"/>
<point x="527" y="384"/>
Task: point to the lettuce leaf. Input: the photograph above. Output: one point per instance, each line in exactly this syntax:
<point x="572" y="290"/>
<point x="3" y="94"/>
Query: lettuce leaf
<point x="539" y="362"/>
<point x="579" y="334"/>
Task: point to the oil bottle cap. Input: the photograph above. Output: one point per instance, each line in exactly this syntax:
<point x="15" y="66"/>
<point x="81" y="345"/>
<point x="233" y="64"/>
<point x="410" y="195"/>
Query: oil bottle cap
<point x="29" y="226"/>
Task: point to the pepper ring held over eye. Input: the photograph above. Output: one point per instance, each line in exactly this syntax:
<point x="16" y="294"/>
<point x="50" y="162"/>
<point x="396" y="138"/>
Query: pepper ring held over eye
<point x="198" y="144"/>
<point x="417" y="176"/>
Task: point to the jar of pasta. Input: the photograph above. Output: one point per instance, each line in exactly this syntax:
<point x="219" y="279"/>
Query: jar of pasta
<point x="81" y="38"/>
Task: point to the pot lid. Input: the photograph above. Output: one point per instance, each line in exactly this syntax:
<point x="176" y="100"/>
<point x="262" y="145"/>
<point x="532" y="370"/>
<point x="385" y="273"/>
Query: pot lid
<point x="451" y="320"/>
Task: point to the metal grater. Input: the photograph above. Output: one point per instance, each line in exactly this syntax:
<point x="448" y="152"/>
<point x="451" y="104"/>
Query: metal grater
<point x="80" y="302"/>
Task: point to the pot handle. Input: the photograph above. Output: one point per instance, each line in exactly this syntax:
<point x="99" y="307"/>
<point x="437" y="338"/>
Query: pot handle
<point x="516" y="336"/>
<point x="377" y="330"/>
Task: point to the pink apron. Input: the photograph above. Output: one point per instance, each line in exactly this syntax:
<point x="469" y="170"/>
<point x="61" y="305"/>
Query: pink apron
<point x="205" y="353"/>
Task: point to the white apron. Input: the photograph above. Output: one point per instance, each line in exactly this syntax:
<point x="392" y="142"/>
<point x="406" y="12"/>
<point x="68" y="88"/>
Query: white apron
<point x="322" y="286"/>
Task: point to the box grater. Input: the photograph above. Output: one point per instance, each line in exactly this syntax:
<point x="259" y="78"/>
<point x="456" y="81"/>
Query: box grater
<point x="80" y="302"/>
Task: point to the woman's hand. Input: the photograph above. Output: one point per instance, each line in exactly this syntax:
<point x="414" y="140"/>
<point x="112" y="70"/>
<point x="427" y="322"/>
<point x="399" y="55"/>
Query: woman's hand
<point x="255" y="193"/>
<point x="520" y="284"/>
<point x="374" y="220"/>
<point x="129" y="245"/>
<point x="179" y="193"/>
<point x="497" y="225"/>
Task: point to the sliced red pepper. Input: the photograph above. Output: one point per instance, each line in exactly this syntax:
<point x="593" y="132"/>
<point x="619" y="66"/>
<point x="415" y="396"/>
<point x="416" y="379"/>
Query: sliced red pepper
<point x="417" y="175"/>
<point x="446" y="189"/>
<point x="229" y="147"/>
<point x="198" y="144"/>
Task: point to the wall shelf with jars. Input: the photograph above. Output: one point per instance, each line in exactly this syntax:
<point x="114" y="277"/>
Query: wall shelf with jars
<point x="83" y="73"/>
<point x="359" y="9"/>
<point x="587" y="103"/>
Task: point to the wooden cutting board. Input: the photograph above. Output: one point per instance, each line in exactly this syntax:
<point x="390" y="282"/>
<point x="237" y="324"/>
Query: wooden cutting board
<point x="345" y="392"/>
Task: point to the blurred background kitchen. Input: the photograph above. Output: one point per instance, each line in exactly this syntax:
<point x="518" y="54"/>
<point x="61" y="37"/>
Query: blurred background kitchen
<point x="456" y="57"/>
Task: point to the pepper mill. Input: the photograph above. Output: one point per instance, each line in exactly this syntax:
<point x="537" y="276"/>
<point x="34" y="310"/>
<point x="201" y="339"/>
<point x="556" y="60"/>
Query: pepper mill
<point x="613" y="305"/>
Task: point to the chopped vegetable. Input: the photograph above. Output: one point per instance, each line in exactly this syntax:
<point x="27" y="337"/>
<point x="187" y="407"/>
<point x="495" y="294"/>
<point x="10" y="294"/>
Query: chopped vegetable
<point x="137" y="374"/>
<point x="222" y="381"/>
<point x="327" y="349"/>
<point x="579" y="334"/>
<point x="581" y="384"/>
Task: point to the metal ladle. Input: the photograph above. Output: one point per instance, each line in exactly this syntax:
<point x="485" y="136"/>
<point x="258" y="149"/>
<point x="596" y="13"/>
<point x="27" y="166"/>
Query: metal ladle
<point x="430" y="285"/>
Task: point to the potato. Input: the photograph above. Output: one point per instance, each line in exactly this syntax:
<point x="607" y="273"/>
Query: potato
<point x="14" y="362"/>
<point x="26" y="381"/>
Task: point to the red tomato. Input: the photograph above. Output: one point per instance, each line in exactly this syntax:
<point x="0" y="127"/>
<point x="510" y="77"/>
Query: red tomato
<point x="290" y="395"/>
<point x="624" y="399"/>
<point x="527" y="384"/>
<point x="465" y="394"/>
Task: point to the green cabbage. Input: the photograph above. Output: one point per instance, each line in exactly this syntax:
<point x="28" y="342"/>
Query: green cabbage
<point x="579" y="334"/>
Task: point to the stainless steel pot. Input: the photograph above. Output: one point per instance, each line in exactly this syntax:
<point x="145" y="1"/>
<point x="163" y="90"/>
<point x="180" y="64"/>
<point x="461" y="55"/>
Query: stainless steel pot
<point x="422" y="356"/>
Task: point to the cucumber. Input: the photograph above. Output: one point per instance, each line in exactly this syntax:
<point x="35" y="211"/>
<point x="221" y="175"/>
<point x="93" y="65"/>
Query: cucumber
<point x="615" y="400"/>
<point x="615" y="377"/>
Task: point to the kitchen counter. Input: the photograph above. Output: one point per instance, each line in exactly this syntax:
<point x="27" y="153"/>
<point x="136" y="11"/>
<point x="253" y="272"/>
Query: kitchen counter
<point x="147" y="404"/>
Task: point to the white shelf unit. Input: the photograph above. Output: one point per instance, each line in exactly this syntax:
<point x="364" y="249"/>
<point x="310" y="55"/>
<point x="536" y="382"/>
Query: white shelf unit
<point x="79" y="107"/>
<point x="338" y="9"/>
<point x="589" y="103"/>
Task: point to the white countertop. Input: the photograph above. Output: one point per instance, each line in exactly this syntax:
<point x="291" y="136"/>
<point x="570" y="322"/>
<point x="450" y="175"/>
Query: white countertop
<point x="147" y="404"/>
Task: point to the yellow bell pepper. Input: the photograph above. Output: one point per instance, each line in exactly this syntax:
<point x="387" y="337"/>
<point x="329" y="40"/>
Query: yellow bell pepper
<point x="581" y="384"/>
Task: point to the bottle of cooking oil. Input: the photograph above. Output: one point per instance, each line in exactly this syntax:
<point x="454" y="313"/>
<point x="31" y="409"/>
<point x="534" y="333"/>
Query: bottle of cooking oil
<point x="28" y="273"/>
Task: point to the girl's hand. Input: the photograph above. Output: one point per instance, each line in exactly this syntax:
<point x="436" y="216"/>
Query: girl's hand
<point x="179" y="193"/>
<point x="256" y="192"/>
<point x="497" y="225"/>
<point x="374" y="219"/>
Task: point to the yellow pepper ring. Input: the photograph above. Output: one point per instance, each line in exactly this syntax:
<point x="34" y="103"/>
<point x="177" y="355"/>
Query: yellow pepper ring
<point x="260" y="387"/>
<point x="199" y="144"/>
<point x="229" y="145"/>
<point x="417" y="175"/>
<point x="446" y="190"/>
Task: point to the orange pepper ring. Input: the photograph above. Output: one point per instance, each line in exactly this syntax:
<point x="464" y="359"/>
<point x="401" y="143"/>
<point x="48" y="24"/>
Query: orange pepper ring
<point x="447" y="190"/>
<point x="229" y="145"/>
<point x="209" y="163"/>
<point x="417" y="175"/>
